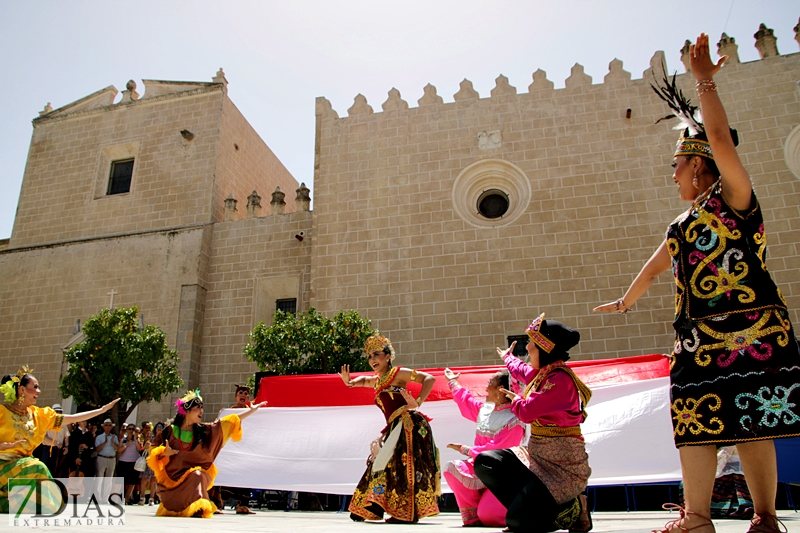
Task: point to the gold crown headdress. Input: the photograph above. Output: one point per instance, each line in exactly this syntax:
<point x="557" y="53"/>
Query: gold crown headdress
<point x="535" y="334"/>
<point x="9" y="388"/>
<point x="378" y="343"/>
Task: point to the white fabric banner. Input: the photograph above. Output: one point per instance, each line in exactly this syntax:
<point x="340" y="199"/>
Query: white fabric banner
<point x="324" y="449"/>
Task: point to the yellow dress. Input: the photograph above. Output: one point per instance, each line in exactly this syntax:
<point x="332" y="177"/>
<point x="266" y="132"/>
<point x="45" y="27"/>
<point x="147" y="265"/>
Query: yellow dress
<point x="31" y="427"/>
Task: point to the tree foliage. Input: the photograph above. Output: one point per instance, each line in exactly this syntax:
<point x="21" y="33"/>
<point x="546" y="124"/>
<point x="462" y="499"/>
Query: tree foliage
<point x="117" y="359"/>
<point x="310" y="343"/>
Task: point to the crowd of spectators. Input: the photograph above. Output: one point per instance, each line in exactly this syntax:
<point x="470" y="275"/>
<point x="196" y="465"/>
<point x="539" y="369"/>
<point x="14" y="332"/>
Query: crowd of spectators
<point x="89" y="449"/>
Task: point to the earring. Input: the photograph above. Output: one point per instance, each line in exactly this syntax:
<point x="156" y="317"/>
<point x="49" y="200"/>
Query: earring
<point x="22" y="395"/>
<point x="695" y="182"/>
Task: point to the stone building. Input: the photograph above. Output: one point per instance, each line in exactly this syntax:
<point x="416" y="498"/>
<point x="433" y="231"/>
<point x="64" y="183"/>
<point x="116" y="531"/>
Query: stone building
<point x="449" y="225"/>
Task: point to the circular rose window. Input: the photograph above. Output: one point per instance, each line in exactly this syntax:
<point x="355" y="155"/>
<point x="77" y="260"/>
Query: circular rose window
<point x="491" y="193"/>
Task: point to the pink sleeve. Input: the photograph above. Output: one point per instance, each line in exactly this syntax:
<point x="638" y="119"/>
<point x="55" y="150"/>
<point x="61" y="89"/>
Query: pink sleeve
<point x="507" y="438"/>
<point x="469" y="406"/>
<point x="519" y="370"/>
<point x="554" y="401"/>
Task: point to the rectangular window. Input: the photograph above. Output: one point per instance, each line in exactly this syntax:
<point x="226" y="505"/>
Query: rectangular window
<point x="287" y="305"/>
<point x="119" y="180"/>
<point x="519" y="349"/>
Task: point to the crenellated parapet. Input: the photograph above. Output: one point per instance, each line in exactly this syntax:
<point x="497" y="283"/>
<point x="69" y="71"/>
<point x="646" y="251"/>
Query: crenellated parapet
<point x="765" y="42"/>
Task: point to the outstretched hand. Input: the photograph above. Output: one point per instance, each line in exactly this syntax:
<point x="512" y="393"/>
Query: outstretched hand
<point x="503" y="352"/>
<point x="9" y="445"/>
<point x="345" y="375"/>
<point x="610" y="307"/>
<point x="110" y="404"/>
<point x="449" y="375"/>
<point x="703" y="68"/>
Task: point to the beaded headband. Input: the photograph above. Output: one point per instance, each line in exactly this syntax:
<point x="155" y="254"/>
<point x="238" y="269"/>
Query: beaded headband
<point x="378" y="343"/>
<point x="689" y="146"/>
<point x="189" y="400"/>
<point x="535" y="334"/>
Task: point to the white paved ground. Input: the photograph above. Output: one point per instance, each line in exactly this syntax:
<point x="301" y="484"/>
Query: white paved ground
<point x="142" y="519"/>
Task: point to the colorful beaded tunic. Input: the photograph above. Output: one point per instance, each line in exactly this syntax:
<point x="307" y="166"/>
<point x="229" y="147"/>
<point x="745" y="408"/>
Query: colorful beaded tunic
<point x="735" y="373"/>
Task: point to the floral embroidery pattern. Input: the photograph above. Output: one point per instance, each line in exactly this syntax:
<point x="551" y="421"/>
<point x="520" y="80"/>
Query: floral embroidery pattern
<point x="774" y="406"/>
<point x="686" y="416"/>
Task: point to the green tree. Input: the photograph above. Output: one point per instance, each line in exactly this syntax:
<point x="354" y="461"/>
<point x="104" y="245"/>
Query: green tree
<point x="117" y="359"/>
<point x="310" y="343"/>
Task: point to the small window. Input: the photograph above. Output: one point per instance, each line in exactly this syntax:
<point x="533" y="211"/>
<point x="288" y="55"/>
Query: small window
<point x="287" y="305"/>
<point x="119" y="181"/>
<point x="522" y="342"/>
<point x="493" y="203"/>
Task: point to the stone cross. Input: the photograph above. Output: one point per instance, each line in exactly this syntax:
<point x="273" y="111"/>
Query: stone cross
<point x="111" y="304"/>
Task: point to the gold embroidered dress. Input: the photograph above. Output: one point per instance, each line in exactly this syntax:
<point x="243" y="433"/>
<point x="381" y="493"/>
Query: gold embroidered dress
<point x="403" y="480"/>
<point x="735" y="374"/>
<point x="30" y="426"/>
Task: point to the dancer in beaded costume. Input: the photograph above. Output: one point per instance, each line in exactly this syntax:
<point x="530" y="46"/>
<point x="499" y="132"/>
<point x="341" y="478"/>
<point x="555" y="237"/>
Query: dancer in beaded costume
<point x="735" y="370"/>
<point x="403" y="474"/>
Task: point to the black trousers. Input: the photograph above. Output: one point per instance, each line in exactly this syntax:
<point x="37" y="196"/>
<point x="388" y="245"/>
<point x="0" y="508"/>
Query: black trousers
<point x="530" y="506"/>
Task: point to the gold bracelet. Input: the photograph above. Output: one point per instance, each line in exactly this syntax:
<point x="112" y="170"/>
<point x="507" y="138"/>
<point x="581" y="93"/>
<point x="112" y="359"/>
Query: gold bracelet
<point x="703" y="86"/>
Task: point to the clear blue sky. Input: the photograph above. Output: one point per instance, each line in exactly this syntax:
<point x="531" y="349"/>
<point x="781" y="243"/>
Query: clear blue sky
<point x="279" y="56"/>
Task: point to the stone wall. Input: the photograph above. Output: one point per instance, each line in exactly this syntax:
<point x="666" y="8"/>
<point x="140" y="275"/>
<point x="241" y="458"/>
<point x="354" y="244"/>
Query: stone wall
<point x="243" y="253"/>
<point x="448" y="290"/>
<point x="46" y="289"/>
<point x="245" y="163"/>
<point x="63" y="194"/>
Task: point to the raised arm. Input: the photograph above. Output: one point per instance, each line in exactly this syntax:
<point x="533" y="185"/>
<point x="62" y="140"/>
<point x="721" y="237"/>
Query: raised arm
<point x="360" y="381"/>
<point x="86" y="415"/>
<point x="736" y="186"/>
<point x="657" y="264"/>
<point x="516" y="368"/>
<point x="252" y="409"/>
<point x="467" y="404"/>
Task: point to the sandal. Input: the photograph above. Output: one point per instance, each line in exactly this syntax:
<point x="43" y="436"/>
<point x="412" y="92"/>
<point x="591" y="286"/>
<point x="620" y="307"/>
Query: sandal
<point x="584" y="522"/>
<point x="674" y="525"/>
<point x="766" y="523"/>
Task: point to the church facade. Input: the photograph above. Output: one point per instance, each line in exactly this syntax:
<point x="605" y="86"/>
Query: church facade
<point x="449" y="225"/>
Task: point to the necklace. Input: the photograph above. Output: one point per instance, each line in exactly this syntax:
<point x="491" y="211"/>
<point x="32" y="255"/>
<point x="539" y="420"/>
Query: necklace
<point x="184" y="436"/>
<point x="385" y="380"/>
<point x="24" y="426"/>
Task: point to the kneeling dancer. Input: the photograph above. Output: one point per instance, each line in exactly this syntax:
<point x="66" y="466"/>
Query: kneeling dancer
<point x="497" y="428"/>
<point x="542" y="484"/>
<point x="183" y="461"/>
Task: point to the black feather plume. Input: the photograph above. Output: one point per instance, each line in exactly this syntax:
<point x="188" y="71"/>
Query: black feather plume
<point x="681" y="106"/>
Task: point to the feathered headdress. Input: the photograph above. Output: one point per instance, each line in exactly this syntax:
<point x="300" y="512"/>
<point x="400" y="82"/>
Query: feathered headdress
<point x="189" y="400"/>
<point x="9" y="388"/>
<point x="690" y="117"/>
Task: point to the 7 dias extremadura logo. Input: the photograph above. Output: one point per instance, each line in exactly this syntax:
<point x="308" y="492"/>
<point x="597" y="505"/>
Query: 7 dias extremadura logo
<point x="84" y="502"/>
